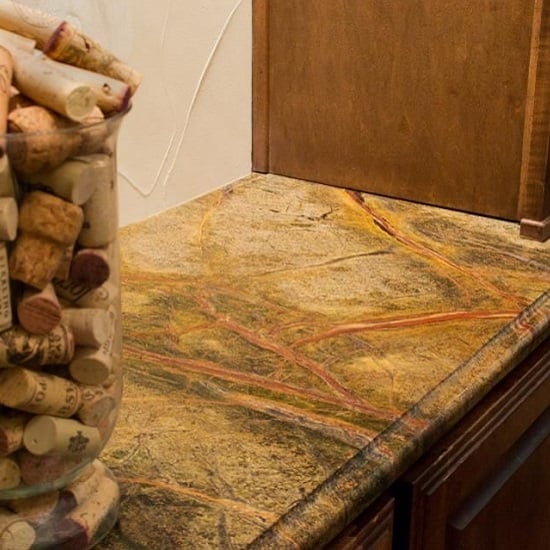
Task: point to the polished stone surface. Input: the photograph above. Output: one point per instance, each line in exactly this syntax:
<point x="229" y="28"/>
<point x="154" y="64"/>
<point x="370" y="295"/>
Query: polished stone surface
<point x="290" y="348"/>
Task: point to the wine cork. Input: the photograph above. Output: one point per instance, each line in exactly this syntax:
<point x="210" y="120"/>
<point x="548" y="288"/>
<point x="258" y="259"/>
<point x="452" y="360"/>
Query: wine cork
<point x="71" y="46"/>
<point x="107" y="426"/>
<point x="36" y="76"/>
<point x="100" y="224"/>
<point x="11" y="432"/>
<point x="11" y="40"/>
<point x="34" y="261"/>
<point x="18" y="100"/>
<point x="83" y="487"/>
<point x="5" y="294"/>
<point x="79" y="527"/>
<point x="90" y="326"/>
<point x="46" y="434"/>
<point x="91" y="366"/>
<point x="19" y="347"/>
<point x="40" y="147"/>
<point x="43" y="469"/>
<point x="8" y="184"/>
<point x="94" y="367"/>
<point x="114" y="343"/>
<point x="64" y="266"/>
<point x="112" y="95"/>
<point x="50" y="217"/>
<point x="39" y="311"/>
<point x="6" y="74"/>
<point x="8" y="218"/>
<point x="27" y="21"/>
<point x="73" y="180"/>
<point x="103" y="297"/>
<point x="96" y="405"/>
<point x="90" y="267"/>
<point x="15" y="532"/>
<point x="106" y="422"/>
<point x="37" y="509"/>
<point x="116" y="374"/>
<point x="81" y="296"/>
<point x="38" y="393"/>
<point x="43" y="511"/>
<point x="10" y="476"/>
<point x="95" y="136"/>
<point x="47" y="225"/>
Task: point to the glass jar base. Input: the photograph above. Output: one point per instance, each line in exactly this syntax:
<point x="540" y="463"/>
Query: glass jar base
<point x="76" y="517"/>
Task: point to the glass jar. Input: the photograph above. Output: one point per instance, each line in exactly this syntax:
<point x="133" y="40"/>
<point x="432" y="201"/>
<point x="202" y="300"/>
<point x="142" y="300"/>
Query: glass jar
<point x="60" y="323"/>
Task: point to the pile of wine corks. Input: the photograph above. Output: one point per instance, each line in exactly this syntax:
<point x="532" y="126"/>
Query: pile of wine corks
<point x="62" y="98"/>
<point x="70" y="518"/>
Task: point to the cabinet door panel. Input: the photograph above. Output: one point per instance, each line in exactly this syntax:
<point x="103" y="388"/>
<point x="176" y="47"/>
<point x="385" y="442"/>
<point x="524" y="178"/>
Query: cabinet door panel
<point x="512" y="508"/>
<point x="488" y="480"/>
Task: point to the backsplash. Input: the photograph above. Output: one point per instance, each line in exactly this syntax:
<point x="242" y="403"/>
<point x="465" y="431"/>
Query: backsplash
<point x="190" y="129"/>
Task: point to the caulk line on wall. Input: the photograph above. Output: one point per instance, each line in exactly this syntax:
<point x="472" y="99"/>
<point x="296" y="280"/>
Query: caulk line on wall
<point x="166" y="167"/>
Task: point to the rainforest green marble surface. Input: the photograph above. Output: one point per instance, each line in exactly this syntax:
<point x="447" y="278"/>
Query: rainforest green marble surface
<point x="290" y="348"/>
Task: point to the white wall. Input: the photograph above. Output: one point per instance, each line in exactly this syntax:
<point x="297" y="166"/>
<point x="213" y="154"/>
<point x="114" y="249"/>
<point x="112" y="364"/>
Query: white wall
<point x="190" y="129"/>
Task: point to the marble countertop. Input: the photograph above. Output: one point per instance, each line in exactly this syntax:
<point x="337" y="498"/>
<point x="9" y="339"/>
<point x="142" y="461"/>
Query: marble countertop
<point x="291" y="348"/>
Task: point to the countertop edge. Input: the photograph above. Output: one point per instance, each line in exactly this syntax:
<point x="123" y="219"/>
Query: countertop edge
<point x="411" y="435"/>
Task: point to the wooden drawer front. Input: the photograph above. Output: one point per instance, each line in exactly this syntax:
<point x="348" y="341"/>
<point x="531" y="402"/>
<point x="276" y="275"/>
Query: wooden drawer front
<point x="487" y="484"/>
<point x="515" y="499"/>
<point x="372" y="530"/>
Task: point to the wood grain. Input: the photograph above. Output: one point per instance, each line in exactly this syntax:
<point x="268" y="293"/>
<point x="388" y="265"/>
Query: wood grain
<point x="534" y="197"/>
<point x="495" y="451"/>
<point x="417" y="100"/>
<point x="372" y="530"/>
<point x="260" y="86"/>
<point x="515" y="481"/>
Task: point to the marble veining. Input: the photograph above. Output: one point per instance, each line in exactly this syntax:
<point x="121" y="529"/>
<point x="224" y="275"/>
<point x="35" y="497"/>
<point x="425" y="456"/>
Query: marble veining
<point x="290" y="348"/>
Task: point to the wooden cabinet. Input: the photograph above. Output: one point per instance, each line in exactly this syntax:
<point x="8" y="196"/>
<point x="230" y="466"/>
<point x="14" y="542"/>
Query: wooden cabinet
<point x="372" y="530"/>
<point x="486" y="484"/>
<point x="444" y="103"/>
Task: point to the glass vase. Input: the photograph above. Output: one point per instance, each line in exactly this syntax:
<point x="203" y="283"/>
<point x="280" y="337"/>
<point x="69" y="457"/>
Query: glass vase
<point x="60" y="323"/>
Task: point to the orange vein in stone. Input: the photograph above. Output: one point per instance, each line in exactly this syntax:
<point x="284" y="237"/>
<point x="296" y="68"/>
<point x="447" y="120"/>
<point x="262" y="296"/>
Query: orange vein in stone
<point x="405" y="322"/>
<point x="350" y="434"/>
<point x="263" y="516"/>
<point x="286" y="353"/>
<point x="213" y="369"/>
<point x="424" y="250"/>
<point x="293" y="357"/>
<point x="208" y="214"/>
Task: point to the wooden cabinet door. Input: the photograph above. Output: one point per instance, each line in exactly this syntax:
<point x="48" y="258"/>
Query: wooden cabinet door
<point x="487" y="484"/>
<point x="445" y="103"/>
